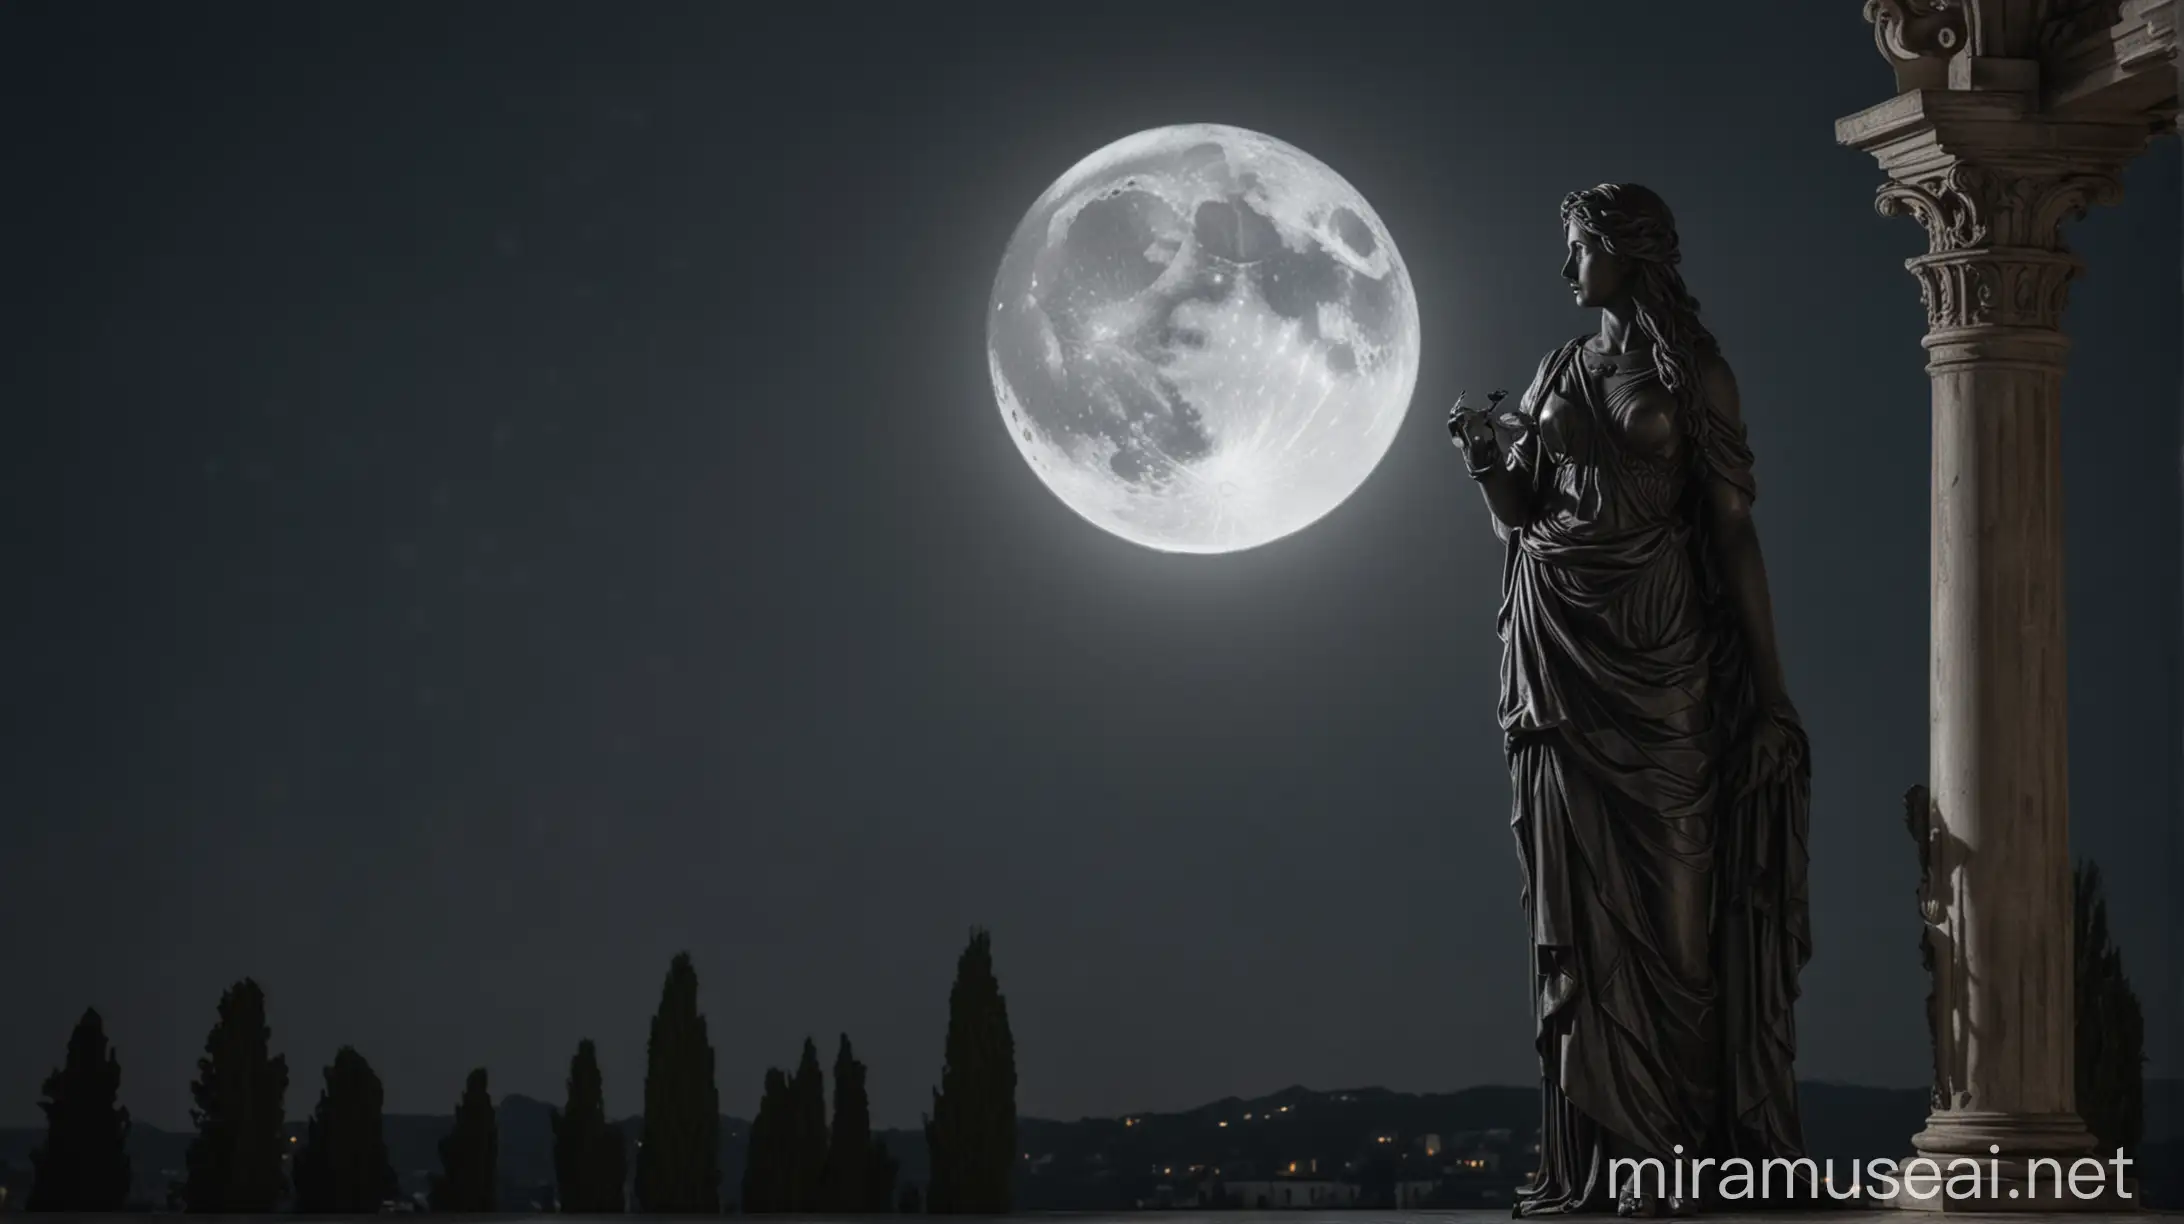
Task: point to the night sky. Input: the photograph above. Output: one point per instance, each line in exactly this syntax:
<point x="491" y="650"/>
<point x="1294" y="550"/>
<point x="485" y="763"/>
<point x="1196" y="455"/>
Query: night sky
<point x="500" y="494"/>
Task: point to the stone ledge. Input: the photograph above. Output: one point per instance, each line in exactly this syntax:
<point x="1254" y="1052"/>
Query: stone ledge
<point x="1926" y="131"/>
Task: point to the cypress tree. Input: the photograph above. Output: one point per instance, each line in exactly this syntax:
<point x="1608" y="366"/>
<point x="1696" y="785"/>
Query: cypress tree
<point x="470" y="1155"/>
<point x="881" y="1169"/>
<point x="2110" y="1026"/>
<point x="860" y="1174"/>
<point x="84" y="1163"/>
<point x="971" y="1133"/>
<point x="767" y="1161"/>
<point x="678" y="1159"/>
<point x="591" y="1155"/>
<point x="343" y="1166"/>
<point x="849" y="1145"/>
<point x="234" y="1162"/>
<point x="808" y="1132"/>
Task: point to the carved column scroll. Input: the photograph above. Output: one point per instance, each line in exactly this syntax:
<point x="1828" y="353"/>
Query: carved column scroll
<point x="1917" y="37"/>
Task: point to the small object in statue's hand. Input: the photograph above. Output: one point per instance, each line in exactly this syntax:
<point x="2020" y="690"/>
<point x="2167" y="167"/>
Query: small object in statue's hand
<point x="1468" y="426"/>
<point x="1507" y="420"/>
<point x="1512" y="425"/>
<point x="1459" y="416"/>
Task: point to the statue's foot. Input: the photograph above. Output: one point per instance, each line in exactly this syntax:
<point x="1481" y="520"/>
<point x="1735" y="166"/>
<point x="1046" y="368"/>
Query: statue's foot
<point x="1531" y="1206"/>
<point x="1682" y="1205"/>
<point x="1635" y="1206"/>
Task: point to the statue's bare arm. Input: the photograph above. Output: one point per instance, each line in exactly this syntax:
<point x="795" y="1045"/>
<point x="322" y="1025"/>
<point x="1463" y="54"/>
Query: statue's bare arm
<point x="1737" y="551"/>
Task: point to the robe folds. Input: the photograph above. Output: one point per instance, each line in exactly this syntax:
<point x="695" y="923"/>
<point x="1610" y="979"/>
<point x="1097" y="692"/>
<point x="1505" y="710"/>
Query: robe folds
<point x="1667" y="913"/>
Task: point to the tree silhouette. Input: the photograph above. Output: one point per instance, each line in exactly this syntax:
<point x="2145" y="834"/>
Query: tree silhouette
<point x="2111" y="1028"/>
<point x="860" y="1175"/>
<point x="768" y="1160"/>
<point x="678" y="1158"/>
<point x="807" y="1131"/>
<point x="343" y="1166"/>
<point x="470" y="1155"/>
<point x="881" y="1169"/>
<point x="84" y="1163"/>
<point x="591" y="1156"/>
<point x="971" y="1135"/>
<point x="234" y="1162"/>
<point x="849" y="1143"/>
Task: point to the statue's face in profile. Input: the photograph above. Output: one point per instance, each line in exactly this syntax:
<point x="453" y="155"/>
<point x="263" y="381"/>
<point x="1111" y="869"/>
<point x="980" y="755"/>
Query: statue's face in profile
<point x="1596" y="277"/>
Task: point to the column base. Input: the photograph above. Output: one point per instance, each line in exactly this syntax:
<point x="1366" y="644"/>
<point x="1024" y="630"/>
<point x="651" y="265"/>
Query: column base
<point x="1980" y="1132"/>
<point x="1983" y="1161"/>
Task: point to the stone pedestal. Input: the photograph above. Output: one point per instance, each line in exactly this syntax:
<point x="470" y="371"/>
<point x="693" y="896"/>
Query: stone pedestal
<point x="1994" y="181"/>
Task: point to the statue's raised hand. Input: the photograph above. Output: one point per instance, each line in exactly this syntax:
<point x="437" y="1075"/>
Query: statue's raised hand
<point x="1473" y="432"/>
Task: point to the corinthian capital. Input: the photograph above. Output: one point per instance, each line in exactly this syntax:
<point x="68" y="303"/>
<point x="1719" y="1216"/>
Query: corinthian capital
<point x="1968" y="206"/>
<point x="1996" y="252"/>
<point x="1995" y="182"/>
<point x="2013" y="289"/>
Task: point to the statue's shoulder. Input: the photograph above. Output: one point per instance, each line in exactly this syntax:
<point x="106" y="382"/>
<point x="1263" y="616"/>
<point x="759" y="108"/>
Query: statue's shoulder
<point x="1711" y="361"/>
<point x="1550" y="370"/>
<point x="1718" y="383"/>
<point x="1561" y="354"/>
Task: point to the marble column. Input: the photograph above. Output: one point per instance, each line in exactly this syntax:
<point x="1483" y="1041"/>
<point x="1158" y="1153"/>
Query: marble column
<point x="1994" y="182"/>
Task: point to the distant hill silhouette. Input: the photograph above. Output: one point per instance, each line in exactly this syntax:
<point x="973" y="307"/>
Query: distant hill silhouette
<point x="1079" y="1160"/>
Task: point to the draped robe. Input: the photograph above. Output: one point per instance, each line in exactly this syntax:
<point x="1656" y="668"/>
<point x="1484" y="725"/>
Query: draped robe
<point x="1667" y="914"/>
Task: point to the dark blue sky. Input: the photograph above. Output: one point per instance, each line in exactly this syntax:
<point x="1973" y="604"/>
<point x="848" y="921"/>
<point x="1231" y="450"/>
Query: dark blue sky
<point x="503" y="493"/>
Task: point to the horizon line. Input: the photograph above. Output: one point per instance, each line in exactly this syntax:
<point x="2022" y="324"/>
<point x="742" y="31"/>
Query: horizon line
<point x="500" y="1099"/>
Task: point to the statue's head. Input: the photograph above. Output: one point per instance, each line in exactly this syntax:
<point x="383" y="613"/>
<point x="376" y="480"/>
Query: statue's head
<point x="1612" y="232"/>
<point x="1623" y="253"/>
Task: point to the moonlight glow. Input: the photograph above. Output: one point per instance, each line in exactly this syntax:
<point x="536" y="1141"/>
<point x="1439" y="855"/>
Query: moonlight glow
<point x="1202" y="339"/>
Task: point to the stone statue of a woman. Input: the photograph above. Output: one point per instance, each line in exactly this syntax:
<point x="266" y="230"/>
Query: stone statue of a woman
<point x="1660" y="774"/>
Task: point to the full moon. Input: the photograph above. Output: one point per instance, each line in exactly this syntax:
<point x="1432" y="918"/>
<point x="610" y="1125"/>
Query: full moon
<point x="1202" y="339"/>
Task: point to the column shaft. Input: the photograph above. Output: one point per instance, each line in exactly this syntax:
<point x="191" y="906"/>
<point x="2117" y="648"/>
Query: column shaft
<point x="1999" y="736"/>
